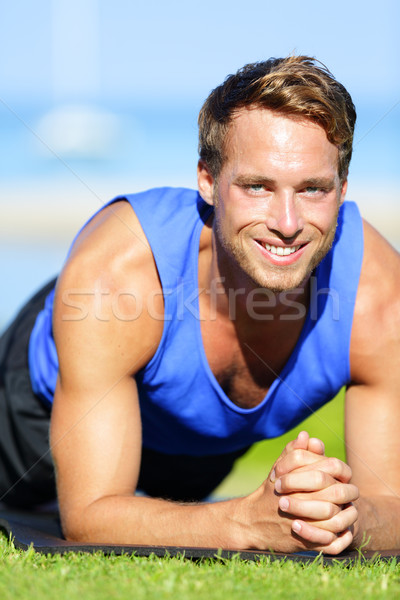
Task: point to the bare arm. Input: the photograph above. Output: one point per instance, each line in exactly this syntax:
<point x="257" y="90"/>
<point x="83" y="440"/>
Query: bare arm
<point x="373" y="401"/>
<point x="96" y="426"/>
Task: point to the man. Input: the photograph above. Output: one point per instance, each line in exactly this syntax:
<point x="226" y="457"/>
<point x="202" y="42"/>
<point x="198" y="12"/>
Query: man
<point x="187" y="326"/>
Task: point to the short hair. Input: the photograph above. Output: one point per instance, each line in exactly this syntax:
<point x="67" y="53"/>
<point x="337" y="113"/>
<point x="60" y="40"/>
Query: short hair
<point x="295" y="86"/>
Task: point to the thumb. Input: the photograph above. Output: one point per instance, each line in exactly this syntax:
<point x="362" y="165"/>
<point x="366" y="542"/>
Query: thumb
<point x="300" y="443"/>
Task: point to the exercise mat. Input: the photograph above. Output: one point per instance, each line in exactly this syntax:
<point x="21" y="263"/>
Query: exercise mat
<point x="42" y="531"/>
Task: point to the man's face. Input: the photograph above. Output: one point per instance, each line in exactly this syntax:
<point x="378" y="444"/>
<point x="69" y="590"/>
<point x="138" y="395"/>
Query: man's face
<point x="277" y="198"/>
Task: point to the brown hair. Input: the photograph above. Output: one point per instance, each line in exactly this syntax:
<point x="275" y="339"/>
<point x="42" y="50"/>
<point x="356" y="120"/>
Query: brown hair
<point x="298" y="85"/>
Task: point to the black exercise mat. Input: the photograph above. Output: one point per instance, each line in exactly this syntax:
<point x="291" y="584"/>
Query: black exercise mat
<point x="43" y="532"/>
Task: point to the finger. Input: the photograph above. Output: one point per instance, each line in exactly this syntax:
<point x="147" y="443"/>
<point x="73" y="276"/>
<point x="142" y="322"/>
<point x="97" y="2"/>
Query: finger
<point x="316" y="445"/>
<point x="342" y="541"/>
<point x="337" y="493"/>
<point x="313" y="534"/>
<point x="336" y="468"/>
<point x="343" y="520"/>
<point x="297" y="446"/>
<point x="301" y="442"/>
<point x="326" y="542"/>
<point x="304" y="481"/>
<point x="315" y="510"/>
<point x="301" y="460"/>
<point x="324" y="515"/>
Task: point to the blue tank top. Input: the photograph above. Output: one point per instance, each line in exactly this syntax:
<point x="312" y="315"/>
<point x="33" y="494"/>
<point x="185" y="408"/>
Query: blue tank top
<point x="184" y="410"/>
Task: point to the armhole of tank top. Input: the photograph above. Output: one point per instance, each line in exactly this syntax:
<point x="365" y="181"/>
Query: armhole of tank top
<point x="359" y="236"/>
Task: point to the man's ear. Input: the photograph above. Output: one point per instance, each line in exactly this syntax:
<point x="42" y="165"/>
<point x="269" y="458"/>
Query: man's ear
<point x="343" y="191"/>
<point x="205" y="182"/>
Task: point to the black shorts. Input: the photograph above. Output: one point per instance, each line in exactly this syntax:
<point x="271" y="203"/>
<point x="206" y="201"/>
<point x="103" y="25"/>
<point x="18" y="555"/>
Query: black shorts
<point x="26" y="469"/>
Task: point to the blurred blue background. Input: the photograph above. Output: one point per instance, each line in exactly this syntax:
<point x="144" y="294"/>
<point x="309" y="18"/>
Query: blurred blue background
<point x="99" y="98"/>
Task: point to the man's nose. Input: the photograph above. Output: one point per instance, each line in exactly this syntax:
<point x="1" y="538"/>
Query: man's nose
<point x="284" y="215"/>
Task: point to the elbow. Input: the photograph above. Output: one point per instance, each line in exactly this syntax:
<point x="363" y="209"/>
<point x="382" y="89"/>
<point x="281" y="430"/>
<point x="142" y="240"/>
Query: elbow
<point x="88" y="523"/>
<point x="73" y="530"/>
<point x="78" y="525"/>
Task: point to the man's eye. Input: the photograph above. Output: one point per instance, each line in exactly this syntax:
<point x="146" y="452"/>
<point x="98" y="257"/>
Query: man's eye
<point x="312" y="190"/>
<point x="256" y="187"/>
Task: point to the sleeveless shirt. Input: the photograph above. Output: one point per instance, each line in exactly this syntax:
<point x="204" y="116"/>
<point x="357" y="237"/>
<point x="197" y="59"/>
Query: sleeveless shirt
<point x="183" y="408"/>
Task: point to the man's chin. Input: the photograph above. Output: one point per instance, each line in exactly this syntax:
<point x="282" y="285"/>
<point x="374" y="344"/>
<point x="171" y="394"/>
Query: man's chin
<point x="283" y="283"/>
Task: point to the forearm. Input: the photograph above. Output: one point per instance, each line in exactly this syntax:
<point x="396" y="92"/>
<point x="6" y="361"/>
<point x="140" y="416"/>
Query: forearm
<point x="256" y="521"/>
<point x="150" y="521"/>
<point x="378" y="523"/>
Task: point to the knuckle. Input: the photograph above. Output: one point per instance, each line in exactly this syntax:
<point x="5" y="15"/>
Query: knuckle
<point x="298" y="457"/>
<point x="320" y="479"/>
<point x="348" y="473"/>
<point x="332" y="510"/>
<point x="335" y="547"/>
<point x="355" y="492"/>
<point x="288" y="447"/>
<point x="354" y="512"/>
<point x="285" y="483"/>
<point x="319" y="536"/>
<point x="334" y="465"/>
<point x="341" y="542"/>
<point x="338" y="493"/>
<point x="352" y="515"/>
<point x="329" y="537"/>
<point x="337" y="468"/>
<point x="345" y="518"/>
<point x="340" y="523"/>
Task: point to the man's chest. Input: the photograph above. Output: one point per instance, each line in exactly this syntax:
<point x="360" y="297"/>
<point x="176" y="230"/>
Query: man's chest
<point x="245" y="368"/>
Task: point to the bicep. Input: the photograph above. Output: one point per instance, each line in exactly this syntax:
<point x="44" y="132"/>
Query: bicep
<point x="95" y="424"/>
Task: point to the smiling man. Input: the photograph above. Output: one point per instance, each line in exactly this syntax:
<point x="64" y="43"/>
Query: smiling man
<point x="187" y="325"/>
<point x="277" y="197"/>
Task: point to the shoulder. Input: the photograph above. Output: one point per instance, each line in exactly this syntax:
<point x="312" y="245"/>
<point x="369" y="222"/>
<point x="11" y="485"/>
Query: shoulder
<point x="113" y="253"/>
<point x="376" y="324"/>
<point x="103" y="291"/>
<point x="114" y="230"/>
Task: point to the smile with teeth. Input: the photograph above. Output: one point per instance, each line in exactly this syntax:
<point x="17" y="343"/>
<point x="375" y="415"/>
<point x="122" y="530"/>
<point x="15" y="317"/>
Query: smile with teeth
<point x="280" y="251"/>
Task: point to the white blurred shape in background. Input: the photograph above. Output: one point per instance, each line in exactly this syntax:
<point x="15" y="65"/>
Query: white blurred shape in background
<point x="79" y="131"/>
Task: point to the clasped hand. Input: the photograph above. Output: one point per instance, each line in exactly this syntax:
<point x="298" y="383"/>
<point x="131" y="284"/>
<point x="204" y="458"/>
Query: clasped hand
<point x="315" y="492"/>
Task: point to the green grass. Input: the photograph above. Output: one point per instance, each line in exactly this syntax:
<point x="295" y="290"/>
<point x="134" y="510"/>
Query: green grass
<point x="27" y="575"/>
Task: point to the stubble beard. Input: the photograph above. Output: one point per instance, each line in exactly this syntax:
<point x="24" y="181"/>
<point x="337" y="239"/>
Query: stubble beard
<point x="278" y="279"/>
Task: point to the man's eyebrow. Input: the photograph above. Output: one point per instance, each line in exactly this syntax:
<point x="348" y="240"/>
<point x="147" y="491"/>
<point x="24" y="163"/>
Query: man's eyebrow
<point x="318" y="182"/>
<point x="253" y="180"/>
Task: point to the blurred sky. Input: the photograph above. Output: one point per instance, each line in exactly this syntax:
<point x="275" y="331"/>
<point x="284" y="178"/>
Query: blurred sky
<point x="100" y="97"/>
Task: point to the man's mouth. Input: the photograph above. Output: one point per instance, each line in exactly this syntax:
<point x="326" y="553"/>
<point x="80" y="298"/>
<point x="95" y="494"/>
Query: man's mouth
<point x="282" y="255"/>
<point x="281" y="250"/>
